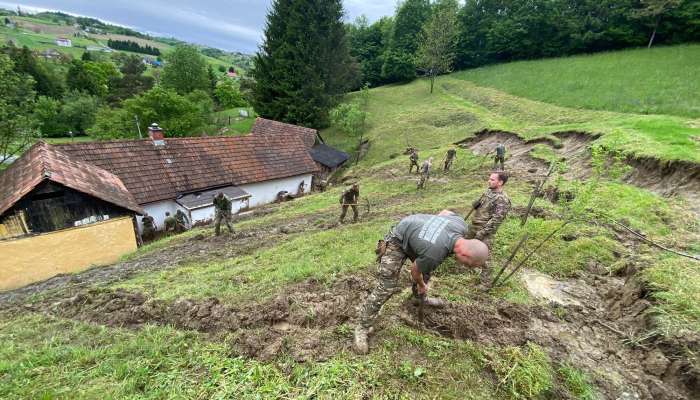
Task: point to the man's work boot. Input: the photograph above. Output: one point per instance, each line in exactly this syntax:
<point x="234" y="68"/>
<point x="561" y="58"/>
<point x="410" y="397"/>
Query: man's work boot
<point x="361" y="346"/>
<point x="429" y="301"/>
<point x="435" y="302"/>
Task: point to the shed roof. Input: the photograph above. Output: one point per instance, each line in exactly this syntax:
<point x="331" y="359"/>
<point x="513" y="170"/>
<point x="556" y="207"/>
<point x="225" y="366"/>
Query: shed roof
<point x="328" y="156"/>
<point x="45" y="162"/>
<point x="185" y="165"/>
<point x="202" y="199"/>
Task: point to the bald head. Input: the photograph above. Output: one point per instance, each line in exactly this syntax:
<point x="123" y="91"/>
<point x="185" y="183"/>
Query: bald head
<point x="471" y="252"/>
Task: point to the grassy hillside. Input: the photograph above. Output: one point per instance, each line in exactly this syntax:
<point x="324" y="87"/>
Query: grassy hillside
<point x="661" y="80"/>
<point x="268" y="312"/>
<point x="40" y="33"/>
<point x="400" y="115"/>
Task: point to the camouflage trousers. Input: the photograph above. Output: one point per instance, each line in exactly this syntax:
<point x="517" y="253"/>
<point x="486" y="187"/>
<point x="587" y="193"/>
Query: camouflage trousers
<point x="423" y="178"/>
<point x="222" y="216"/>
<point x="388" y="277"/>
<point x="487" y="269"/>
<point x="345" y="211"/>
<point x="410" y="168"/>
<point x="497" y="160"/>
<point x="448" y="165"/>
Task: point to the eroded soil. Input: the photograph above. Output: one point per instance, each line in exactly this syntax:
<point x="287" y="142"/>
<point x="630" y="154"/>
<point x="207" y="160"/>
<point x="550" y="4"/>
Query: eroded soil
<point x="597" y="322"/>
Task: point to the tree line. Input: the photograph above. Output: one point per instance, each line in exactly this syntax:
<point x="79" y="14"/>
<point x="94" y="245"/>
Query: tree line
<point x="494" y="31"/>
<point x="105" y="95"/>
<point x="310" y="57"/>
<point x="128" y="45"/>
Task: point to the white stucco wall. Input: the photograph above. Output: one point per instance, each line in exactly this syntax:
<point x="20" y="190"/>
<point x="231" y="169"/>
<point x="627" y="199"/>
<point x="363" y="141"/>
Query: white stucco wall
<point x="266" y="192"/>
<point x="157" y="211"/>
<point x="261" y="193"/>
<point x="206" y="214"/>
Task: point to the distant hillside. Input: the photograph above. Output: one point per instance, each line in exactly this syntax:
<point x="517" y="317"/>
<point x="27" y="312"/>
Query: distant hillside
<point x="40" y="32"/>
<point x="661" y="80"/>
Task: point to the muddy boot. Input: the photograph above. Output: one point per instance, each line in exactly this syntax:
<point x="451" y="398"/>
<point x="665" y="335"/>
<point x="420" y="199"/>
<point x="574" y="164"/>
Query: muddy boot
<point x="435" y="302"/>
<point x="361" y="346"/>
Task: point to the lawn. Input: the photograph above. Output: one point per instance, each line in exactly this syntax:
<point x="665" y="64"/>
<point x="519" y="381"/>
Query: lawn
<point x="661" y="80"/>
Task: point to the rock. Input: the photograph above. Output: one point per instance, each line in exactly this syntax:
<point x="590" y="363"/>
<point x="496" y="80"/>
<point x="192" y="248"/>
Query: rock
<point x="656" y="363"/>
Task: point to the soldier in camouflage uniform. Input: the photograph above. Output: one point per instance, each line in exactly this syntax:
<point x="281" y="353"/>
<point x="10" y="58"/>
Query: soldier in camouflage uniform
<point x="500" y="156"/>
<point x="149" y="227"/>
<point x="413" y="158"/>
<point x="426" y="240"/>
<point x="222" y="207"/>
<point x="449" y="157"/>
<point x="350" y="198"/>
<point x="489" y="211"/>
<point x="181" y="221"/>
<point x="169" y="222"/>
<point x="425" y="172"/>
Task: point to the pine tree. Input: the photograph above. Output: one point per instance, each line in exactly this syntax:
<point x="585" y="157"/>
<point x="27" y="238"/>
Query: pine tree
<point x="304" y="63"/>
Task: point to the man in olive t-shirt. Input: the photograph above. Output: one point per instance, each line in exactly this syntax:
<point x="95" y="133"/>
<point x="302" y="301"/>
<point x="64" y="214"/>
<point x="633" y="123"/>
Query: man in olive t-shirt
<point x="427" y="240"/>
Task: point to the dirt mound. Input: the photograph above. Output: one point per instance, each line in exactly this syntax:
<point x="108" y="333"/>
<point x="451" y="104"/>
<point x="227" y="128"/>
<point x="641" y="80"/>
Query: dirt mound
<point x="606" y="330"/>
<point x="498" y="322"/>
<point x="300" y="322"/>
<point x="667" y="178"/>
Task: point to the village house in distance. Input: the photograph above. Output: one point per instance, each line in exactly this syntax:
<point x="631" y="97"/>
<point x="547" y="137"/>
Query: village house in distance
<point x="92" y="189"/>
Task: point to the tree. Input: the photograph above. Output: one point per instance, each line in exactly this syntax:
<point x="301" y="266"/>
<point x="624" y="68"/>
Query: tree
<point x="304" y="63"/>
<point x="48" y="115"/>
<point x="178" y="115"/>
<point x="46" y="82"/>
<point x="399" y="62"/>
<point x="91" y="77"/>
<point x="185" y="70"/>
<point x="368" y="43"/>
<point x="132" y="81"/>
<point x="436" y="51"/>
<point x="656" y="9"/>
<point x="350" y="118"/>
<point x="228" y="95"/>
<point x="17" y="125"/>
<point x="78" y="111"/>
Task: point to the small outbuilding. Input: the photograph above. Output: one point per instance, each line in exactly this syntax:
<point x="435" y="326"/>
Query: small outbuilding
<point x="58" y="215"/>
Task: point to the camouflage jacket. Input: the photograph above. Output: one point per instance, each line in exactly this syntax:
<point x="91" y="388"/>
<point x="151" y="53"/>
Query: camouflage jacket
<point x="350" y="196"/>
<point x="501" y="150"/>
<point x="493" y="209"/>
<point x="414" y="157"/>
<point x="148" y="222"/>
<point x="222" y="204"/>
<point x="451" y="153"/>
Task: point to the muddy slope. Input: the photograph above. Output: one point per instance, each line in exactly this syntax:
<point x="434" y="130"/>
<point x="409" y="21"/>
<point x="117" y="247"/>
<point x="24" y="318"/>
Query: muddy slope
<point x="677" y="178"/>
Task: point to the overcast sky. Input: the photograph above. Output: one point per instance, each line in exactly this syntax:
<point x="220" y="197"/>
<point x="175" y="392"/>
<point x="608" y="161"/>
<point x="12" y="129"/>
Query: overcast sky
<point x="234" y="25"/>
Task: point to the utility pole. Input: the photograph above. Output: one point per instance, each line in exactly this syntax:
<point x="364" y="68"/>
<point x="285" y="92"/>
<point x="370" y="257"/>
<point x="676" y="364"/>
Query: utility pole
<point x="136" y="118"/>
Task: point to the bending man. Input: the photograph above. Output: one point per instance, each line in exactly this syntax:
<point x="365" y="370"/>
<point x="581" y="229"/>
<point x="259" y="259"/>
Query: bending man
<point x="427" y="240"/>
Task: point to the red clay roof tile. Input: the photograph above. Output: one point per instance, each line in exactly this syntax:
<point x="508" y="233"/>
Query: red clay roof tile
<point x="44" y="161"/>
<point x="154" y="173"/>
<point x="270" y="127"/>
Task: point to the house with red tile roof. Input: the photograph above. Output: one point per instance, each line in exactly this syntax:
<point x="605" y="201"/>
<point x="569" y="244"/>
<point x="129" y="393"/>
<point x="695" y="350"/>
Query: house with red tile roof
<point x="170" y="174"/>
<point x="327" y="158"/>
<point x="61" y="215"/>
<point x="45" y="191"/>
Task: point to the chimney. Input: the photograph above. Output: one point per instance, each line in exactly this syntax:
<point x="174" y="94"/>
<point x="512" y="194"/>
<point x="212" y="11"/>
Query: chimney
<point x="155" y="132"/>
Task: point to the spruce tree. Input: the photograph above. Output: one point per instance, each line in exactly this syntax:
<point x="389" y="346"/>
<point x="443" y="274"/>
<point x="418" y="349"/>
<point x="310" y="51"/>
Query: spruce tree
<point x="304" y="64"/>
